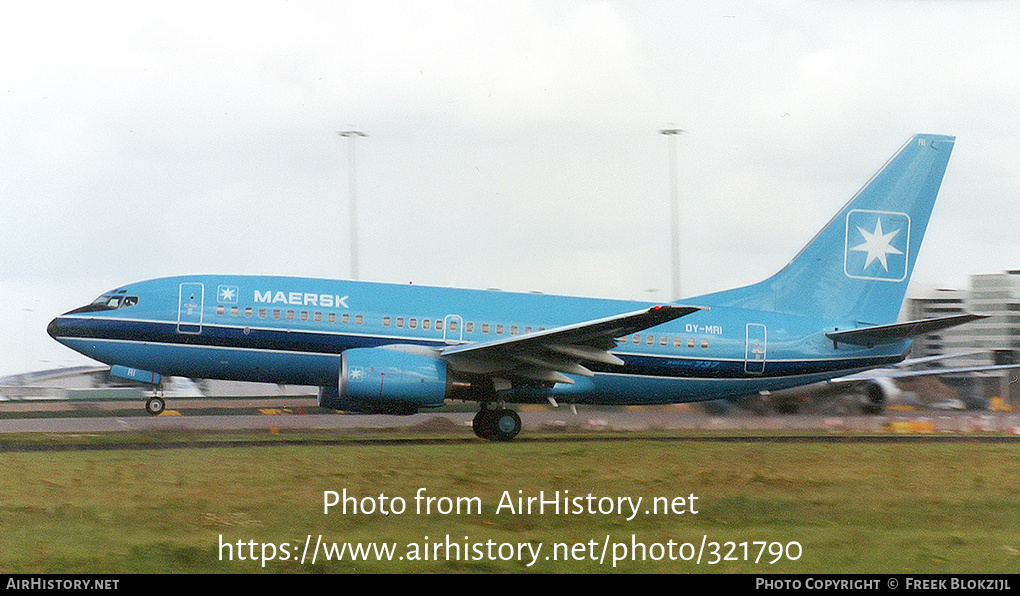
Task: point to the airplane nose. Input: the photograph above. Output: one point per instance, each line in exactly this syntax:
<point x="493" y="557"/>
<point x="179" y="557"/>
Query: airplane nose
<point x="52" y="328"/>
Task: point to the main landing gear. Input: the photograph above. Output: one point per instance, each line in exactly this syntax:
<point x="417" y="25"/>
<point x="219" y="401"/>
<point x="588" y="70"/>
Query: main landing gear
<point x="498" y="424"/>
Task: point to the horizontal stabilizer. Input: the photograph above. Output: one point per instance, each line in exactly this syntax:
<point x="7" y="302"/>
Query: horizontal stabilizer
<point x="887" y="334"/>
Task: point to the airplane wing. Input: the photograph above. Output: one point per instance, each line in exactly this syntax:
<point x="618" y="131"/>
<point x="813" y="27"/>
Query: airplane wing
<point x="898" y="371"/>
<point x="902" y="374"/>
<point x="883" y="334"/>
<point x="550" y="355"/>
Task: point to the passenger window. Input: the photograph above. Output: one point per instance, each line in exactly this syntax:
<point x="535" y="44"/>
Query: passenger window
<point x="221" y="310"/>
<point x="290" y="315"/>
<point x="704" y="343"/>
<point x="426" y="324"/>
<point x="469" y="327"/>
<point x="663" y="341"/>
<point x="513" y="329"/>
<point x="413" y="323"/>
<point x="262" y="313"/>
<point x="485" y="327"/>
<point x="527" y="330"/>
<point x="690" y="342"/>
<point x="651" y="340"/>
<point x="499" y="329"/>
<point x="400" y="322"/>
<point x="359" y="319"/>
<point x="678" y="342"/>
<point x="453" y="325"/>
<point x="304" y="315"/>
<point x="439" y="325"/>
<point x="385" y="321"/>
<point x="318" y="317"/>
<point x="637" y="338"/>
<point x="234" y="311"/>
<point x="249" y="312"/>
<point x="276" y="314"/>
<point x="346" y="318"/>
<point x="332" y="317"/>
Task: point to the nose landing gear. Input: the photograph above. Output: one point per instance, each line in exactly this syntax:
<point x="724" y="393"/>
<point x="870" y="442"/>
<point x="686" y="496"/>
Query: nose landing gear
<point x="155" y="405"/>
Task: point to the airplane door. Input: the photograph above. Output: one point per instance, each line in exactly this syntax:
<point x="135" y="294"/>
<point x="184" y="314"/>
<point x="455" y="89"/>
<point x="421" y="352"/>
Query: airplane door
<point x="189" y="308"/>
<point x="756" y="348"/>
<point x="453" y="329"/>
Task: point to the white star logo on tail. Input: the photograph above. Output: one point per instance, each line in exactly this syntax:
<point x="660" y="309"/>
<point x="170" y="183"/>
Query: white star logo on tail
<point x="877" y="245"/>
<point x="872" y="253"/>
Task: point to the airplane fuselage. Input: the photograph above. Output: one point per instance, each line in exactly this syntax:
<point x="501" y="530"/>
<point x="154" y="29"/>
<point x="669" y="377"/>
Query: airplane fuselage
<point x="293" y="330"/>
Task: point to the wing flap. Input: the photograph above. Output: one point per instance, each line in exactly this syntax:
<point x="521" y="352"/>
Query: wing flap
<point x="556" y="364"/>
<point x="541" y="374"/>
<point x="585" y="353"/>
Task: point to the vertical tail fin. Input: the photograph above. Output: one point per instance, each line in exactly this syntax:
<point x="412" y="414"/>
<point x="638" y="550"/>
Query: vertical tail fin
<point x="857" y="268"/>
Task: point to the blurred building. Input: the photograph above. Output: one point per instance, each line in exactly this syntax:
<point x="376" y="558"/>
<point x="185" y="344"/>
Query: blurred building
<point x="995" y="340"/>
<point x="944" y="303"/>
<point x="997" y="295"/>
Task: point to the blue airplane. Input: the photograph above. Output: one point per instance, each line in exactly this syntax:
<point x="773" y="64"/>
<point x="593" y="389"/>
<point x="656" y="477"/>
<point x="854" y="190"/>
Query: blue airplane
<point x="399" y="349"/>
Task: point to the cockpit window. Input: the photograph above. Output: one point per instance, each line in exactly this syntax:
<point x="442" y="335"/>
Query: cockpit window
<point x="108" y="302"/>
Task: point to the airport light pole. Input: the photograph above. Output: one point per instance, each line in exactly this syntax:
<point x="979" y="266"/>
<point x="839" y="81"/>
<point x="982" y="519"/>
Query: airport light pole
<point x="351" y="135"/>
<point x="28" y="340"/>
<point x="674" y="209"/>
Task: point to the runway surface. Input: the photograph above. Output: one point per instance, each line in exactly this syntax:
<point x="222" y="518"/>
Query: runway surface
<point x="194" y="415"/>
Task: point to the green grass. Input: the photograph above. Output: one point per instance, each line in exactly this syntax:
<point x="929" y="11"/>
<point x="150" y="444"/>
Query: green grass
<point x="854" y="508"/>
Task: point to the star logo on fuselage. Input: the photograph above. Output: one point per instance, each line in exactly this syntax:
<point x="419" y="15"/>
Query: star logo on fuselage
<point x="227" y="294"/>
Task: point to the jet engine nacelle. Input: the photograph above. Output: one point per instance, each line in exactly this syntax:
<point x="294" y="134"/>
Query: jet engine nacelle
<point x="387" y="381"/>
<point x="878" y="393"/>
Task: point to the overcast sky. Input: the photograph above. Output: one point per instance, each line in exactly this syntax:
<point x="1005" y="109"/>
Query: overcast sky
<point x="510" y="144"/>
